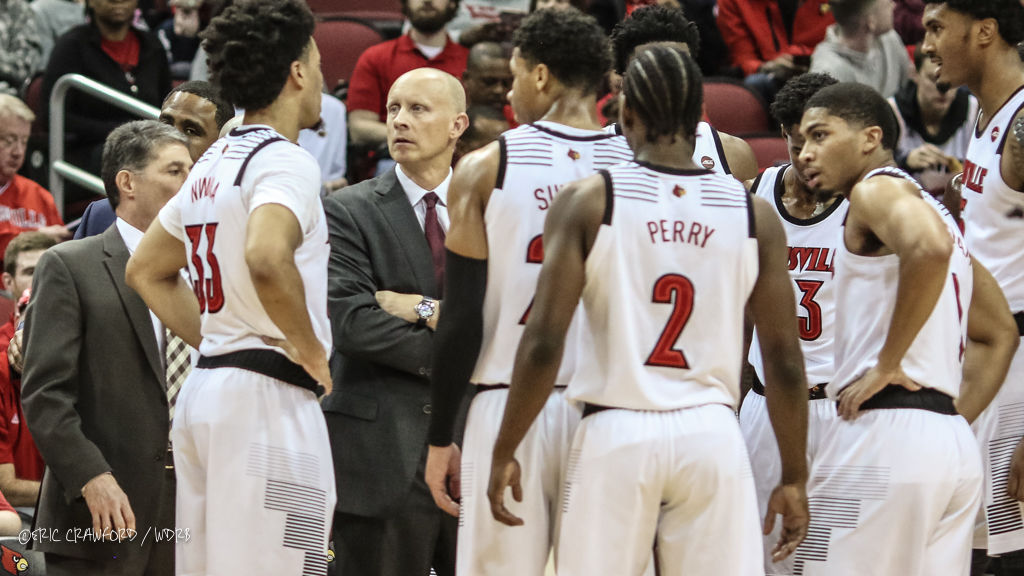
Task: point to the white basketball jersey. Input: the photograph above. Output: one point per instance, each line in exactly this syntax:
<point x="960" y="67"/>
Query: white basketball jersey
<point x="536" y="160"/>
<point x="865" y="299"/>
<point x="994" y="212"/>
<point x="707" y="148"/>
<point x="251" y="167"/>
<point x="667" y="281"/>
<point x="812" y="247"/>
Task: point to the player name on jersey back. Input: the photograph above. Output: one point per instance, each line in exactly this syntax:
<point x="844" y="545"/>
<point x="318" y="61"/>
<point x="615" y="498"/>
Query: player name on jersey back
<point x="667" y="282"/>
<point x="537" y="160"/>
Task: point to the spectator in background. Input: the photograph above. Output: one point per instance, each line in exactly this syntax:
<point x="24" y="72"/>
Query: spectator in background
<point x="24" y="205"/>
<point x="485" y="125"/>
<point x="20" y="49"/>
<point x="425" y="45"/>
<point x="770" y="40"/>
<point x="328" y="142"/>
<point x="488" y="78"/>
<point x="54" y="18"/>
<point x="197" y="111"/>
<point x="109" y="50"/>
<point x="21" y="466"/>
<point x="180" y="36"/>
<point x="907" y="21"/>
<point x="863" y="47"/>
<point x="936" y="125"/>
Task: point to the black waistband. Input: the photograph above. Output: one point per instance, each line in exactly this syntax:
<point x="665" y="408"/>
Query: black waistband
<point x="589" y="409"/>
<point x="1019" y="317"/>
<point x="480" y="388"/>
<point x="816" y="392"/>
<point x="894" y="396"/>
<point x="266" y="362"/>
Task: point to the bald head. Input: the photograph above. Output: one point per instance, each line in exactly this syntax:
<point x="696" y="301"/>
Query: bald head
<point x="436" y="85"/>
<point x="487" y="77"/>
<point x="426" y="115"/>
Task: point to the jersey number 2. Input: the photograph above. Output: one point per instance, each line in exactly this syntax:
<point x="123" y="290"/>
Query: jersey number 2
<point x="534" y="255"/>
<point x="678" y="291"/>
<point x="209" y="291"/>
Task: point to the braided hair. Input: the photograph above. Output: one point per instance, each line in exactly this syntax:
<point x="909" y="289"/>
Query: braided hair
<point x="663" y="86"/>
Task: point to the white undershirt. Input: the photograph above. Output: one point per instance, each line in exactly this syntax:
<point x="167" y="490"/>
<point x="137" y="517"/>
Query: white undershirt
<point x="132" y="236"/>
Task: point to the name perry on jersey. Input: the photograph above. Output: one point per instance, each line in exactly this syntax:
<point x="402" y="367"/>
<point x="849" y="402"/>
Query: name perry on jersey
<point x="805" y="258"/>
<point x="674" y="231"/>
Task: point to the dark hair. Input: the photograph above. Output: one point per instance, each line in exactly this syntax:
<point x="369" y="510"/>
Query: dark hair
<point x="206" y="91"/>
<point x="848" y="12"/>
<point x="24" y="242"/>
<point x="663" y="86"/>
<point x="251" y="47"/>
<point x="481" y="112"/>
<point x="569" y="43"/>
<point x="132" y="146"/>
<point x="652" y="24"/>
<point x="788" y="107"/>
<point x="1008" y="14"/>
<point x="861" y="105"/>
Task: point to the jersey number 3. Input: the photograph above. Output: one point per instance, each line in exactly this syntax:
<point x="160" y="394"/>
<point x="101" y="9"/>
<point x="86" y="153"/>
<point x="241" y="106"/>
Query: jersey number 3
<point x="678" y="291"/>
<point x="209" y="290"/>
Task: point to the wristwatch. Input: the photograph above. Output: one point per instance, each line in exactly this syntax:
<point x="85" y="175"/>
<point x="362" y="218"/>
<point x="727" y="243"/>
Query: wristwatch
<point x="425" y="310"/>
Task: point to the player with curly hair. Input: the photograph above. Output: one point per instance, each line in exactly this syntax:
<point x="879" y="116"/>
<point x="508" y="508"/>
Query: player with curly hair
<point x="714" y="150"/>
<point x="974" y="43"/>
<point x="497" y="202"/>
<point x="253" y="462"/>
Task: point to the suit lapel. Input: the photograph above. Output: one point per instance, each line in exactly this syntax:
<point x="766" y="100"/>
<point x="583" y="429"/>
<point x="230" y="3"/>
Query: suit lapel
<point x="116" y="260"/>
<point x="399" y="215"/>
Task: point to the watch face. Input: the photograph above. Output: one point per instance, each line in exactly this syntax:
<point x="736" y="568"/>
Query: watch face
<point x="425" y="309"/>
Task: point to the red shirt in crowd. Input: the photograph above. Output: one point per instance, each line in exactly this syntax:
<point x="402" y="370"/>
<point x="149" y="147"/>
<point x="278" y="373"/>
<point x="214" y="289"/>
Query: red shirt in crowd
<point x="24" y="205"/>
<point x="755" y="33"/>
<point x="16" y="445"/>
<point x="124" y="52"/>
<point x="380" y="65"/>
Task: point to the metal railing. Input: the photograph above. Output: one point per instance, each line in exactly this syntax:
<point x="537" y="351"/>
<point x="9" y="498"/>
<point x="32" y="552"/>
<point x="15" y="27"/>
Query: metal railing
<point x="61" y="170"/>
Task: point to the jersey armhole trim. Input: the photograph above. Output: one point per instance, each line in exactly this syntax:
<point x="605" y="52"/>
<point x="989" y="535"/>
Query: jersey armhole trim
<point x="260" y="146"/>
<point x="721" y="150"/>
<point x="609" y="198"/>
<point x="1002" y="146"/>
<point x="751" y="225"/>
<point x="499" y="183"/>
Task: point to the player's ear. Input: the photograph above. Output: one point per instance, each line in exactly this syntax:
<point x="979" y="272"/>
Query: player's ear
<point x="872" y="138"/>
<point x="541" y="76"/>
<point x="125" y="182"/>
<point x="986" y="31"/>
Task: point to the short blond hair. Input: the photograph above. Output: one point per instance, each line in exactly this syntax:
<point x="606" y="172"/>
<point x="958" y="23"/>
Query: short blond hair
<point x="13" y="106"/>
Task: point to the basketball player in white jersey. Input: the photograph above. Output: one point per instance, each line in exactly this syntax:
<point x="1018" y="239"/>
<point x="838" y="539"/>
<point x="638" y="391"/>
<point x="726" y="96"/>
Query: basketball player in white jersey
<point x="666" y="256"/>
<point x="714" y="150"/>
<point x="251" y="452"/>
<point x="923" y="338"/>
<point x="497" y="203"/>
<point x="975" y="43"/>
<point x="812" y="221"/>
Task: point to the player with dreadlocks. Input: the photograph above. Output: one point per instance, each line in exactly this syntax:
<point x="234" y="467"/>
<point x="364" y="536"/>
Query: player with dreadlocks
<point x="666" y="257"/>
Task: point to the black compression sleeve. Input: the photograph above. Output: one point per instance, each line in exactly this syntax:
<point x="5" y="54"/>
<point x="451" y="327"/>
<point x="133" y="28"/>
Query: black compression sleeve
<point x="457" y="342"/>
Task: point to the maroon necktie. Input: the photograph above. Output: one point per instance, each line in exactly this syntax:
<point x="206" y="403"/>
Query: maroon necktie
<point x="435" y="239"/>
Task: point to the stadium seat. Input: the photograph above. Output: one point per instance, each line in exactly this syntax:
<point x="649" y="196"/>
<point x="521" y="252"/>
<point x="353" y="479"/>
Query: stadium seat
<point x="340" y="43"/>
<point x="363" y="9"/>
<point x="734" y="109"/>
<point x="769" y="150"/>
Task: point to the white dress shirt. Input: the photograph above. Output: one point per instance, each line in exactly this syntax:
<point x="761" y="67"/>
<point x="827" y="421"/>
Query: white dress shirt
<point x="416" y="194"/>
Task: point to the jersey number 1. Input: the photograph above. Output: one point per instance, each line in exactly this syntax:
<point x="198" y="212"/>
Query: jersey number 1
<point x="209" y="291"/>
<point x="676" y="290"/>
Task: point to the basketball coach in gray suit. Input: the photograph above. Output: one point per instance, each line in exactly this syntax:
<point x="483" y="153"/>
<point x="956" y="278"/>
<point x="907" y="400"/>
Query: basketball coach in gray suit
<point x="384" y="296"/>
<point x="94" y="388"/>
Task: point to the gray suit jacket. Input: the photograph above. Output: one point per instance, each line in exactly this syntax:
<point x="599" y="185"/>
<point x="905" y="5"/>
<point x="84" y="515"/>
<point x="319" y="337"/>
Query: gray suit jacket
<point x="93" y="391"/>
<point x="378" y="413"/>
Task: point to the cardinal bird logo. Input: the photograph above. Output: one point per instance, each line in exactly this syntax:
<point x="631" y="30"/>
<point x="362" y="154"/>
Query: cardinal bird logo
<point x="12" y="562"/>
<point x="574" y="154"/>
<point x="679" y="191"/>
<point x="707" y="162"/>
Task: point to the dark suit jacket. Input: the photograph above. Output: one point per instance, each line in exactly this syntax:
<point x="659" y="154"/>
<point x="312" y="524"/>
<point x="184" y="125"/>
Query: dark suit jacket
<point x="379" y="411"/>
<point x="93" y="391"/>
<point x="98" y="216"/>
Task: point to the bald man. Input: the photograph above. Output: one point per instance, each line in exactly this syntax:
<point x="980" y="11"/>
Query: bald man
<point x="384" y="294"/>
<point x="487" y="77"/>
